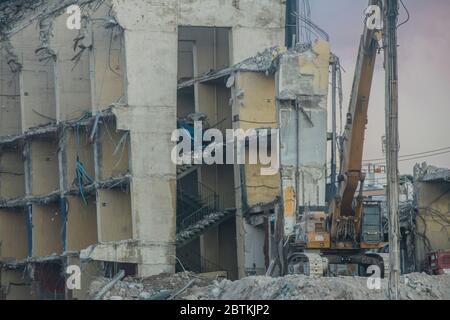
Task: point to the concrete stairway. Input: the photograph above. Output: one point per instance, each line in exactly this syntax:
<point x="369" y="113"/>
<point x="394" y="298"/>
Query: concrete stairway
<point x="207" y="222"/>
<point x="198" y="209"/>
<point x="184" y="170"/>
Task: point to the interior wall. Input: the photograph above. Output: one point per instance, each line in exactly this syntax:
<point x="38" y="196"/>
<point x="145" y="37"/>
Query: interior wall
<point x="114" y="215"/>
<point x="209" y="246"/>
<point x="255" y="109"/>
<point x="47" y="227"/>
<point x="224" y="108"/>
<point x="210" y="51"/>
<point x="185" y="59"/>
<point x="44" y="165"/>
<point x="189" y="255"/>
<point x="78" y="147"/>
<point x="12" y="178"/>
<point x="37" y="80"/>
<point x="107" y="61"/>
<point x="81" y="223"/>
<point x="185" y="102"/>
<point x="255" y="263"/>
<point x="73" y="84"/>
<point x="228" y="248"/>
<point x="113" y="157"/>
<point x="13" y="234"/>
<point x="226" y="186"/>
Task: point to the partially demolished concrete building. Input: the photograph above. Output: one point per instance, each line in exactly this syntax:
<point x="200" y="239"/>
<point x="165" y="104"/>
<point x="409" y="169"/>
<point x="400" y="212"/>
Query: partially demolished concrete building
<point x="86" y="123"/>
<point x="91" y="94"/>
<point x="87" y="117"/>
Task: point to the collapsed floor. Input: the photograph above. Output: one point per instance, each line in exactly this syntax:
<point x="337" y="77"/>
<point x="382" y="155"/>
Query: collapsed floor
<point x="189" y="286"/>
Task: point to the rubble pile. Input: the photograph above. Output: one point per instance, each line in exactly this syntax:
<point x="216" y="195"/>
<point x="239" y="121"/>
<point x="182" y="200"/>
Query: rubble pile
<point x="159" y="287"/>
<point x="295" y="287"/>
<point x="413" y="286"/>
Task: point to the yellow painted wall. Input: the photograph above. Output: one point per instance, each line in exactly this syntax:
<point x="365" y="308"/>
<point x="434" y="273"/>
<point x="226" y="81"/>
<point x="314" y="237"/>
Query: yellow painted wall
<point x="256" y="105"/>
<point x="317" y="65"/>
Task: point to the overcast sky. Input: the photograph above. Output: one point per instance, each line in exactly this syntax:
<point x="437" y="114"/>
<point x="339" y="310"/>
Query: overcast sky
<point x="424" y="74"/>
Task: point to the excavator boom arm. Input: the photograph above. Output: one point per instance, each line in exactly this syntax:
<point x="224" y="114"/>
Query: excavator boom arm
<point x="353" y="138"/>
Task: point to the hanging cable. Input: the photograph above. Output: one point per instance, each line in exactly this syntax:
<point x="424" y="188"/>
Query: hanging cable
<point x="408" y="16"/>
<point x="81" y="175"/>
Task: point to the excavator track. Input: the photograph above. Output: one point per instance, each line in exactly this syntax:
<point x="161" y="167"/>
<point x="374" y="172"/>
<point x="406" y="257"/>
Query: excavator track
<point x="310" y="264"/>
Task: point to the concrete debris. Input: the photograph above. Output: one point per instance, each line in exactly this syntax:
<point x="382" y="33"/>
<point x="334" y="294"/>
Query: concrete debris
<point x="263" y="61"/>
<point x="17" y="15"/>
<point x="414" y="286"/>
<point x="160" y="287"/>
<point x="426" y="173"/>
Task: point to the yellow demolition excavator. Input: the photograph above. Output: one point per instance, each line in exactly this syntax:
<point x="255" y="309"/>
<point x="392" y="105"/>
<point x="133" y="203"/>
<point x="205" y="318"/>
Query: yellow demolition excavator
<point x="350" y="233"/>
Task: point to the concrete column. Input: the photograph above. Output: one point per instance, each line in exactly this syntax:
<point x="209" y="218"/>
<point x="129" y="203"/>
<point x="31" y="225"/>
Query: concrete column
<point x="151" y="89"/>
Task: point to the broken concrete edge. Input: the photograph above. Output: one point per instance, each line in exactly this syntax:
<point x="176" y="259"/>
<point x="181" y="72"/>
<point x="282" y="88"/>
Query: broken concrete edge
<point x="32" y="12"/>
<point x="131" y="251"/>
<point x="113" y="182"/>
<point x="262" y="208"/>
<point x="126" y="251"/>
<point x="426" y="173"/>
<point x="265" y="61"/>
<point x="14" y="264"/>
<point x="55" y="127"/>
